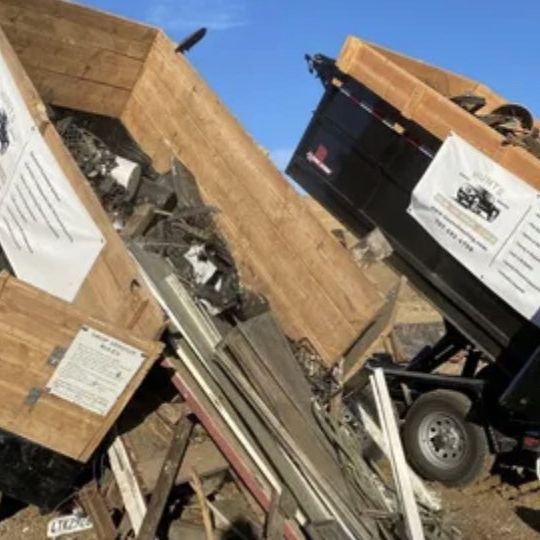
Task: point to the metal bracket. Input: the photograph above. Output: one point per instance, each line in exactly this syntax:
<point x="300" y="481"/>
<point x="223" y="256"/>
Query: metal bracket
<point x="33" y="396"/>
<point x="56" y="356"/>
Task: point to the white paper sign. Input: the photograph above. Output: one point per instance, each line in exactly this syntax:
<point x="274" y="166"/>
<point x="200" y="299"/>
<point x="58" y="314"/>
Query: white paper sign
<point x="71" y="524"/>
<point x="95" y="371"/>
<point x="487" y="218"/>
<point x="48" y="236"/>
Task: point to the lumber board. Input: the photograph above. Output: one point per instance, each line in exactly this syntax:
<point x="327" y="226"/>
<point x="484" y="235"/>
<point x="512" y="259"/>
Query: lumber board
<point x="431" y="109"/>
<point x="75" y="24"/>
<point x="165" y="482"/>
<point x="108" y="292"/>
<point x="40" y="50"/>
<point x="32" y="325"/>
<point x="446" y="82"/>
<point x="311" y="281"/>
<point x="78" y="93"/>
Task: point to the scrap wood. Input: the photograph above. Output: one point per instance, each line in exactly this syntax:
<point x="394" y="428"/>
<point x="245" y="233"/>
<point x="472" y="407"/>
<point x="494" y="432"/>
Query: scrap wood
<point x="198" y="388"/>
<point x="203" y="503"/>
<point x="198" y="329"/>
<point x="165" y="481"/>
<point x="320" y="487"/>
<point x="128" y="484"/>
<point x="415" y="530"/>
<point x="94" y="505"/>
<point x="426" y="496"/>
<point x="377" y="332"/>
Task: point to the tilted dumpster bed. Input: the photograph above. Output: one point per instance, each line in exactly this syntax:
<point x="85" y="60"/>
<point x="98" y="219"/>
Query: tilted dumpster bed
<point x="88" y="61"/>
<point x="375" y="135"/>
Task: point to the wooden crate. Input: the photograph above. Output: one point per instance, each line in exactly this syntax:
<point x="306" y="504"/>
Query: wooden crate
<point x="421" y="91"/>
<point x="86" y="60"/>
<point x="32" y="325"/>
<point x="113" y="291"/>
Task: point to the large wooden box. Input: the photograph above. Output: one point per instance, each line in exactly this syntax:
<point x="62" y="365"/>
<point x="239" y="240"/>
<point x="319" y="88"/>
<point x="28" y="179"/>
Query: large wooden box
<point x="82" y="59"/>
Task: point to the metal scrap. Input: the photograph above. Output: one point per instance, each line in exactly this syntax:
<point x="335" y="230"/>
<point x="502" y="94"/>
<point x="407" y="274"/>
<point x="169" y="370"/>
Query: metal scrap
<point x="512" y="121"/>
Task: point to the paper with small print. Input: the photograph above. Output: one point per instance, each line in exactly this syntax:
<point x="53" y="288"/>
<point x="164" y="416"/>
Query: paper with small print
<point x="95" y="371"/>
<point x="45" y="231"/>
<point x="487" y="218"/>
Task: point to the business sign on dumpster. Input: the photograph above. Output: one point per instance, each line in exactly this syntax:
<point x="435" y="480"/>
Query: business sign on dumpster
<point x="487" y="218"/>
<point x="45" y="231"/>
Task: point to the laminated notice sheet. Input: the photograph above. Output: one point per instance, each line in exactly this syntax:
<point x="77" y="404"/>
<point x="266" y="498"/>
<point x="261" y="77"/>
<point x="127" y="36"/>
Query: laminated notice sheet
<point x="487" y="218"/>
<point x="95" y="371"/>
<point x="46" y="232"/>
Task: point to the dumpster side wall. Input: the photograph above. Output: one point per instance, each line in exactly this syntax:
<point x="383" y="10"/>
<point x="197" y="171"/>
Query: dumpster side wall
<point x="32" y="325"/>
<point x="316" y="289"/>
<point x="429" y="108"/>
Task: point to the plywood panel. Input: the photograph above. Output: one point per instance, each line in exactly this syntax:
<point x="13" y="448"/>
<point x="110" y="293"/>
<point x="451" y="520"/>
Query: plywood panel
<point x="108" y="292"/>
<point x="32" y="325"/>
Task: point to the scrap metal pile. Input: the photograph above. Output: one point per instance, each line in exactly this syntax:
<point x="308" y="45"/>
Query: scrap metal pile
<point x="512" y="121"/>
<point x="163" y="213"/>
<point x="262" y="399"/>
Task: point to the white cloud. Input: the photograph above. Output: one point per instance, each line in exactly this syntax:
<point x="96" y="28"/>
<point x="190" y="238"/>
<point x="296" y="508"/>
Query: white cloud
<point x="193" y="14"/>
<point x="281" y="157"/>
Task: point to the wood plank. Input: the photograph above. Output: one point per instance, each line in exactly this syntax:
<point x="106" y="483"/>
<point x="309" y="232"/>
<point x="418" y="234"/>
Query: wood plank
<point x="79" y="25"/>
<point x="77" y="93"/>
<point x="40" y="50"/>
<point x="107" y="291"/>
<point x="331" y="266"/>
<point x="430" y="109"/>
<point x="165" y="482"/>
<point x="32" y="325"/>
<point x="94" y="505"/>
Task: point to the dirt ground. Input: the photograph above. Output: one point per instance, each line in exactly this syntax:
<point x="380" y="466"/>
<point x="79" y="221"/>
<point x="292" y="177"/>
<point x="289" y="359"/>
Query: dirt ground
<point x="495" y="512"/>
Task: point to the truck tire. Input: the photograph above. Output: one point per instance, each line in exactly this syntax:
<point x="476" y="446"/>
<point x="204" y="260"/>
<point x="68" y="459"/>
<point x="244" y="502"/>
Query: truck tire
<point x="439" y="442"/>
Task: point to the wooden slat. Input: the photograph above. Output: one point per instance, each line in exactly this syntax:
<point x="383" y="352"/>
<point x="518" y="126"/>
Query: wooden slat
<point x="431" y="109"/>
<point x="32" y="325"/>
<point x="80" y="26"/>
<point x="39" y="49"/>
<point x="107" y="292"/>
<point x="77" y="93"/>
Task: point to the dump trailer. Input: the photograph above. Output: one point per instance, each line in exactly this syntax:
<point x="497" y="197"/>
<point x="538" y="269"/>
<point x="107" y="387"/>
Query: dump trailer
<point x="449" y="172"/>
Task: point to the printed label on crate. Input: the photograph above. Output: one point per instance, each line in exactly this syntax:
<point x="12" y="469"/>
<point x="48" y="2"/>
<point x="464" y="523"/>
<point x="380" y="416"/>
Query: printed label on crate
<point x="45" y="231"/>
<point x="487" y="218"/>
<point x="95" y="371"/>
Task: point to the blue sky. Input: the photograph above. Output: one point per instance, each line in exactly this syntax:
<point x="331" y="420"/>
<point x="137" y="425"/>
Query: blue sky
<point x="253" y="54"/>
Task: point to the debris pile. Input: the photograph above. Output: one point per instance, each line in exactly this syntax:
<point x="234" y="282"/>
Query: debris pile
<point x="243" y="394"/>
